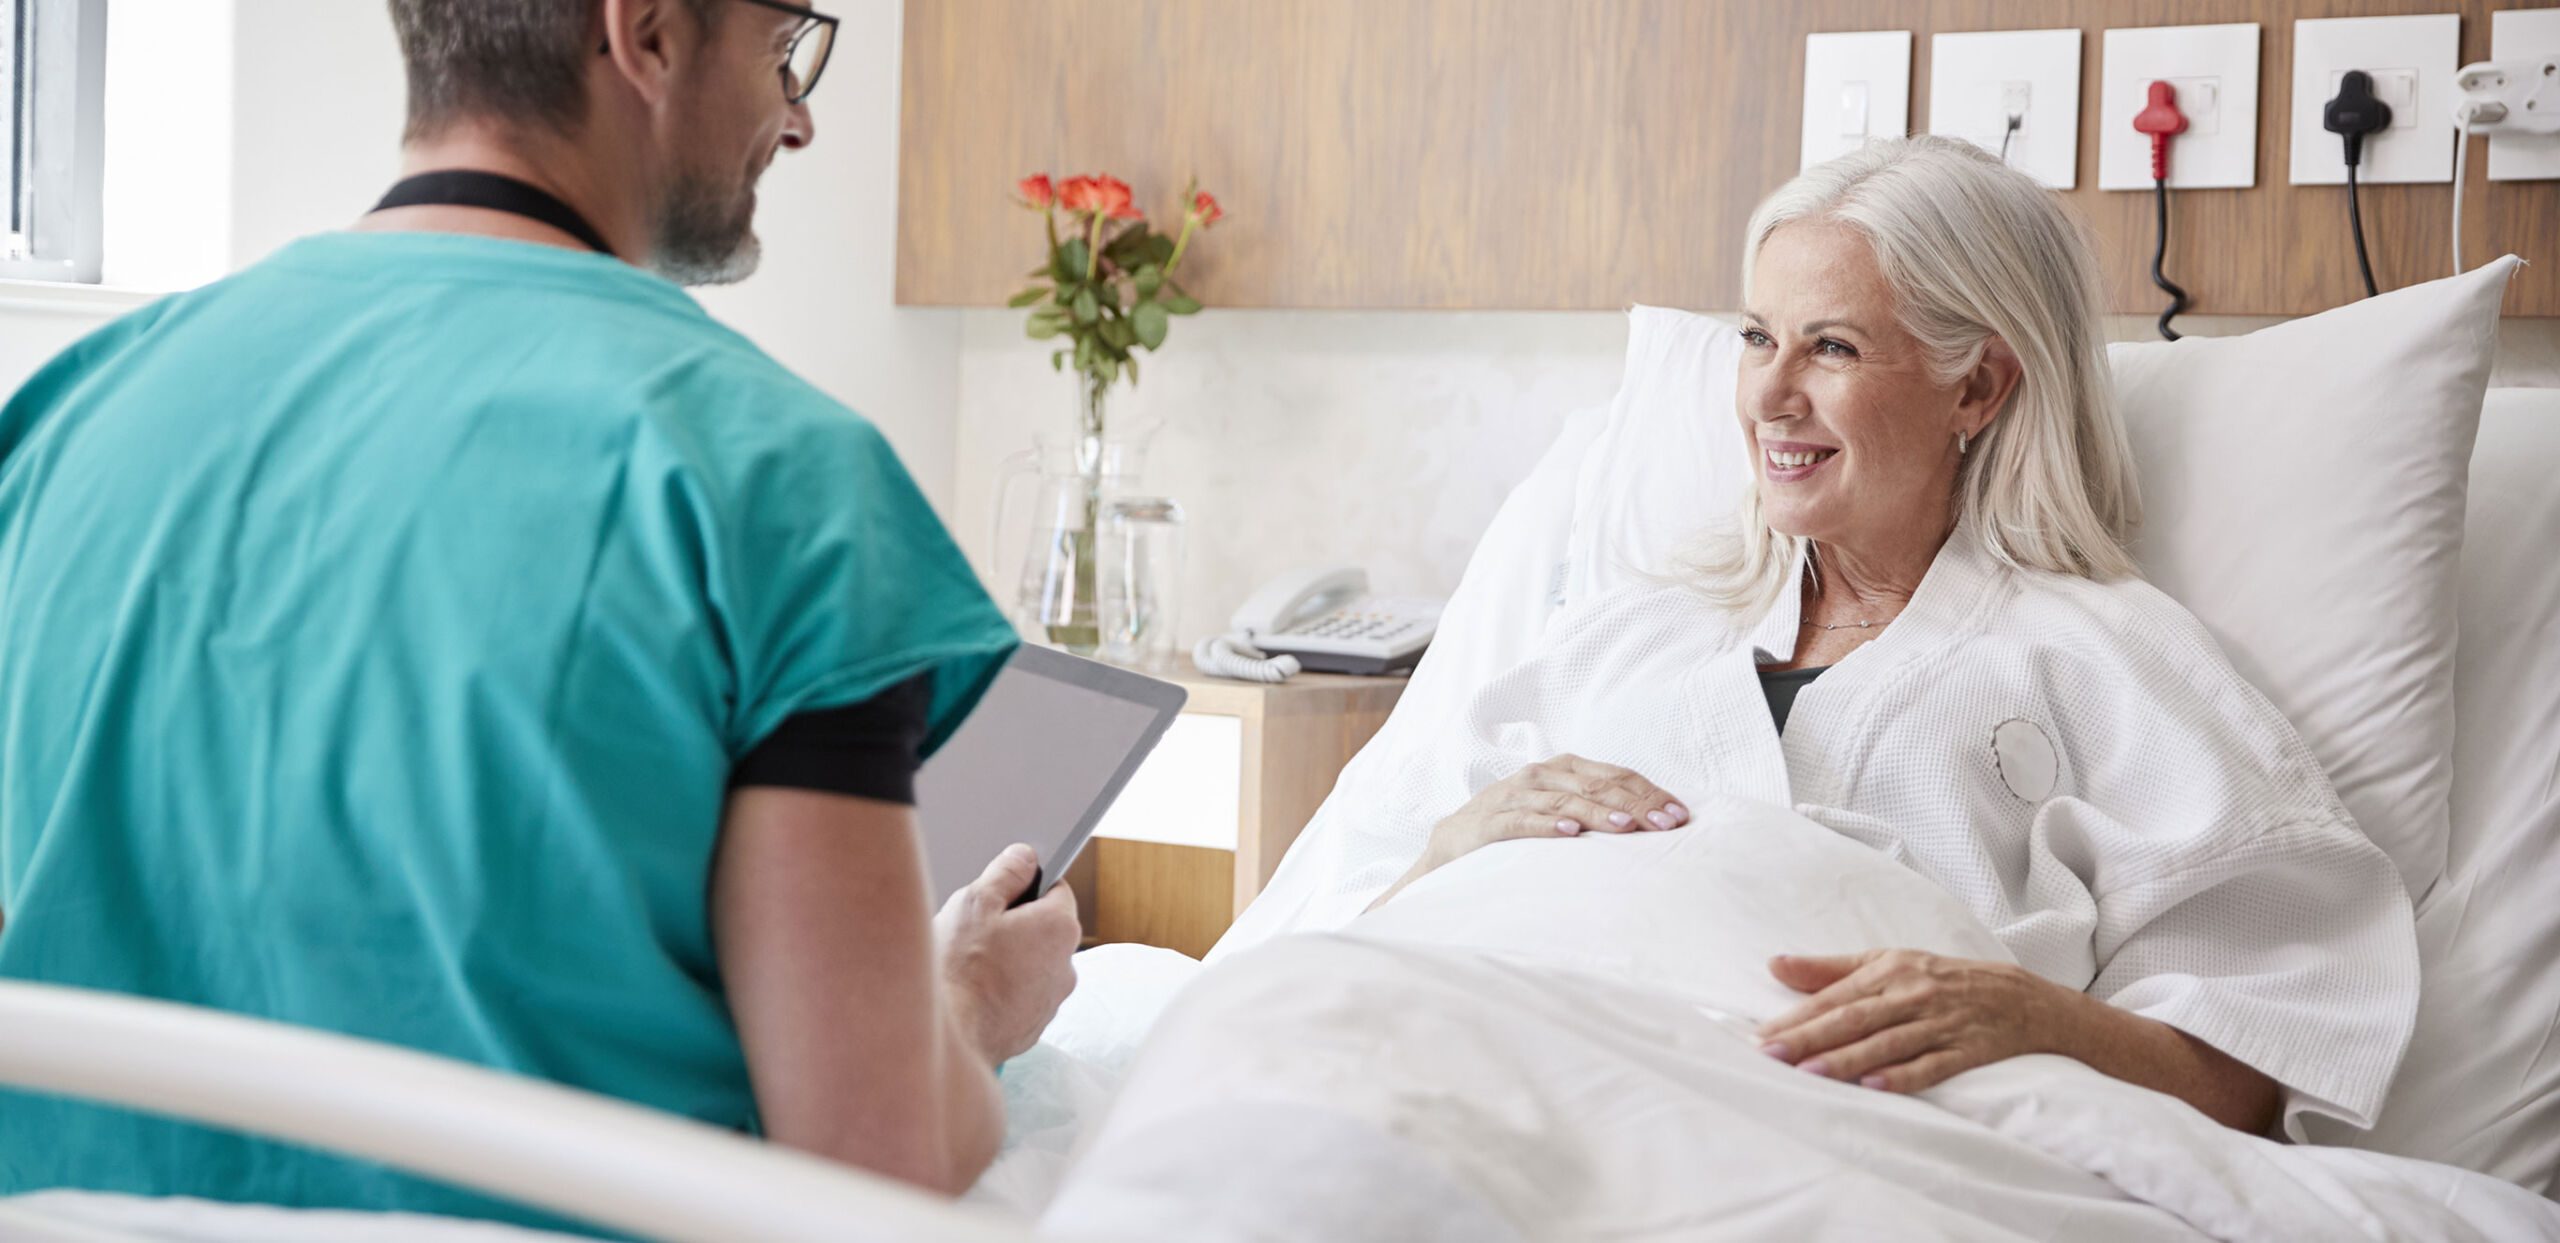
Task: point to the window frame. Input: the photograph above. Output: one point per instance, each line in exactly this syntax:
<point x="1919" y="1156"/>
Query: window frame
<point x="57" y="147"/>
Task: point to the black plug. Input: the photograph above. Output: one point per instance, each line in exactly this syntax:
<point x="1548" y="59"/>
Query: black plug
<point x="2355" y="112"/>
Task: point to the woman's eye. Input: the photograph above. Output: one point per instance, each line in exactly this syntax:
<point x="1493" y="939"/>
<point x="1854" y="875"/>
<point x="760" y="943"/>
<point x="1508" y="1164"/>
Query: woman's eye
<point x="1754" y="337"/>
<point x="1836" y="348"/>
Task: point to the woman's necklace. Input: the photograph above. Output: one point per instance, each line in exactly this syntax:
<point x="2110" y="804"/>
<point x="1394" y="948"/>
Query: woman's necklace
<point x="1863" y="625"/>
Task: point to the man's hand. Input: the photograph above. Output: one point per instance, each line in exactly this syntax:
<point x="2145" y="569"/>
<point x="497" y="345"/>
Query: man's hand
<point x="1007" y="971"/>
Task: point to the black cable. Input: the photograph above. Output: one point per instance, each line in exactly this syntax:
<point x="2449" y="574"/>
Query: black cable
<point x="2014" y="122"/>
<point x="2160" y="248"/>
<point x="2355" y="224"/>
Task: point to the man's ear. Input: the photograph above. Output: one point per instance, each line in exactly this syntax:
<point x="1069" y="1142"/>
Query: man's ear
<point x="1987" y="387"/>
<point x="644" y="40"/>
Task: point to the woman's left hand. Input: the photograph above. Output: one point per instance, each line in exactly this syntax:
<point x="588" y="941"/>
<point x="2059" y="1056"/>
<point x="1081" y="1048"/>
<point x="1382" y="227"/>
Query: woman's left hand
<point x="1904" y="1020"/>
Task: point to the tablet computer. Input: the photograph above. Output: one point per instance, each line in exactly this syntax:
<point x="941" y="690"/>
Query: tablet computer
<point x="1052" y="743"/>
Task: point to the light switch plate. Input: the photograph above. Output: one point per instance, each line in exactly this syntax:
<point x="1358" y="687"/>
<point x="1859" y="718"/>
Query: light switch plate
<point x="1856" y="87"/>
<point x="2215" y="72"/>
<point x="1976" y="78"/>
<point x="2412" y="60"/>
<point x="2522" y="34"/>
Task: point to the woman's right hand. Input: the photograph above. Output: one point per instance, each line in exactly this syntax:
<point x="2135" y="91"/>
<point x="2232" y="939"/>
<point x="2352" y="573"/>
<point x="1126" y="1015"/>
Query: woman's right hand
<point x="1562" y="797"/>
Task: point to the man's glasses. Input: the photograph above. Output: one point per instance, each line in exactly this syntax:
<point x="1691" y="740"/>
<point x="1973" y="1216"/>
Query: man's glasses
<point x="810" y="46"/>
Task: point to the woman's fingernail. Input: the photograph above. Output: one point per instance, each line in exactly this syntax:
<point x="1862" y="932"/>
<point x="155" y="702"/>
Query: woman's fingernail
<point x="1678" y="813"/>
<point x="1872" y="1081"/>
<point x="1776" y="1050"/>
<point x="1814" y="1067"/>
<point x="1567" y="827"/>
<point x="1659" y="820"/>
<point x="1621" y="819"/>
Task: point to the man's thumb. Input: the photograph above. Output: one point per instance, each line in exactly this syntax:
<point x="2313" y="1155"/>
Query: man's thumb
<point x="1010" y="873"/>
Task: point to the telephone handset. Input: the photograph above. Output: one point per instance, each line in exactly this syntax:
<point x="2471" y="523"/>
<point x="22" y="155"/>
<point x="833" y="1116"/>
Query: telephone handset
<point x="1324" y="620"/>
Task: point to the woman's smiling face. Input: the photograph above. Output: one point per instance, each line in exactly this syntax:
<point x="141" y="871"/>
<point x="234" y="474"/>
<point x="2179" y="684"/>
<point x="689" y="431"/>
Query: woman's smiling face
<point x="1854" y="438"/>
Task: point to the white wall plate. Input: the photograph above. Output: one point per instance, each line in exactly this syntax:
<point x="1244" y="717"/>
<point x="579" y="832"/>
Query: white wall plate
<point x="2215" y="71"/>
<point x="2521" y="34"/>
<point x="2412" y="60"/>
<point x="1976" y="79"/>
<point x="1856" y="87"/>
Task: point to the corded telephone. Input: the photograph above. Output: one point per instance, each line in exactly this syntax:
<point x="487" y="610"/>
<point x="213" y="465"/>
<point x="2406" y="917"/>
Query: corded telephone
<point x="1324" y="620"/>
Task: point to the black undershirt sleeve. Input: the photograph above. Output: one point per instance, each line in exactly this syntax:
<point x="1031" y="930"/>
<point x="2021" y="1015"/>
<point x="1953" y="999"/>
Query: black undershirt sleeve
<point x="868" y="750"/>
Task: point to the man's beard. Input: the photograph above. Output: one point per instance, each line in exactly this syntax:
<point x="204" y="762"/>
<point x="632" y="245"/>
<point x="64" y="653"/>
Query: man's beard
<point x="706" y="235"/>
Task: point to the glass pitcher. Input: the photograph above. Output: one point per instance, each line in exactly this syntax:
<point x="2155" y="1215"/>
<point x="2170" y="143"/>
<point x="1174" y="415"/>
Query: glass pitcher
<point x="1057" y="578"/>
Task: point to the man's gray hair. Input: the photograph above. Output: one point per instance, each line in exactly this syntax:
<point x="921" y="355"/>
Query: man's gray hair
<point x="522" y="62"/>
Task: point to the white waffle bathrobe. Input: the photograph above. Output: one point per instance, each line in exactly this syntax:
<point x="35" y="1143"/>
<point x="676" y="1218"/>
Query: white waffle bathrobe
<point x="2180" y="856"/>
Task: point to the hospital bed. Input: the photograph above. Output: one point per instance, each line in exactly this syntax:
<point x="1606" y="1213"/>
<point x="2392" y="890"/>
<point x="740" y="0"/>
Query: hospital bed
<point x="2490" y="1020"/>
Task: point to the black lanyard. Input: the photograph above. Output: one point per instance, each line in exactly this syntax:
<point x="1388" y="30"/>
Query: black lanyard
<point x="464" y="187"/>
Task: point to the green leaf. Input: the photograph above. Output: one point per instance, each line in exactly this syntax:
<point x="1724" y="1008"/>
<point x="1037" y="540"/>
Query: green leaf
<point x="1040" y="273"/>
<point x="1150" y="321"/>
<point x="1086" y="309"/>
<point x="1028" y="296"/>
<point x="1159" y="249"/>
<point x="1181" y="303"/>
<point x="1148" y="280"/>
<point x="1073" y="258"/>
<point x="1118" y="333"/>
<point x="1057" y="360"/>
<point x="1044" y="324"/>
<point x="1126" y="249"/>
<point x="1084" y="352"/>
<point x="1130" y="365"/>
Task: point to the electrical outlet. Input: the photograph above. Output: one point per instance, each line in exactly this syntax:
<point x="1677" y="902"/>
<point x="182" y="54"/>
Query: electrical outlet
<point x="2214" y="71"/>
<point x="1978" y="80"/>
<point x="1856" y="87"/>
<point x="2412" y="60"/>
<point x="2524" y="35"/>
<point x="2201" y="100"/>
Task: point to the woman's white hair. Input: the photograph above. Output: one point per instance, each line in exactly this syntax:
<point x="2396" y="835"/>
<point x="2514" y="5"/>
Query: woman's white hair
<point x="1973" y="250"/>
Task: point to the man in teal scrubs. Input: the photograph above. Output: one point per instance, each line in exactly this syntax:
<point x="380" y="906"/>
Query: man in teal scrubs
<point x="445" y="633"/>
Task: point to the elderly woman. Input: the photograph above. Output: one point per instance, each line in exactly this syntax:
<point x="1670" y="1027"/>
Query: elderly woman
<point x="1924" y="633"/>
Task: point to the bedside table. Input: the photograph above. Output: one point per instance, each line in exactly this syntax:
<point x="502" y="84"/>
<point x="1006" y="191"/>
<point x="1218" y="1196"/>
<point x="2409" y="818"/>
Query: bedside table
<point x="1205" y="820"/>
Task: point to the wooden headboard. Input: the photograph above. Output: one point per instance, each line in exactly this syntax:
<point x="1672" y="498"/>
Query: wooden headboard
<point x="1566" y="154"/>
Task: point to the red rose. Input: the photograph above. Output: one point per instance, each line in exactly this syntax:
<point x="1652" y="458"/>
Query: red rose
<point x="1080" y="194"/>
<point x="1206" y="208"/>
<point x="1113" y="198"/>
<point x="1035" y="190"/>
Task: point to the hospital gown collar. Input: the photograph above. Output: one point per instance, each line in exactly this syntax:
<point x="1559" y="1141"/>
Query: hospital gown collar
<point x="1951" y="591"/>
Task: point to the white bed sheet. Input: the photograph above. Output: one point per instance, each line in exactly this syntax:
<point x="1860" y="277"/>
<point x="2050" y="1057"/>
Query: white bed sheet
<point x="1585" y="1070"/>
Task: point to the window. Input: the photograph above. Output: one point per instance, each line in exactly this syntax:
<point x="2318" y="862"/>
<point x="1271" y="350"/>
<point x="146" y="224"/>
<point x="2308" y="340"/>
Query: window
<point x="52" y="101"/>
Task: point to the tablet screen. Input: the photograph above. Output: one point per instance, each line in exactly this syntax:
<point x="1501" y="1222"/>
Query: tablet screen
<point x="1039" y="760"/>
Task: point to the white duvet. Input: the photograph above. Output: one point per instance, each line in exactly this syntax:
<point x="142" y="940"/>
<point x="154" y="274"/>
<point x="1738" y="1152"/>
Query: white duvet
<point x="1551" y="1040"/>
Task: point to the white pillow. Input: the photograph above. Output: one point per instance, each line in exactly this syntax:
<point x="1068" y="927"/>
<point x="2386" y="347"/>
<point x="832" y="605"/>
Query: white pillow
<point x="1669" y="460"/>
<point x="2480" y="1087"/>
<point x="2305" y="493"/>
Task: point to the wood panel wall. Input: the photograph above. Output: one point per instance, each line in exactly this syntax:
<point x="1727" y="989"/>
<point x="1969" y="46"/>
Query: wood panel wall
<point x="1565" y="154"/>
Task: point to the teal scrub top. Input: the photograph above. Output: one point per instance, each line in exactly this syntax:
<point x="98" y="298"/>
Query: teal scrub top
<point x="378" y="630"/>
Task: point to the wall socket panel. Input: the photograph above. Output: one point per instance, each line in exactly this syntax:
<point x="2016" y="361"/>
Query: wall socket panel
<point x="2522" y="34"/>
<point x="1978" y="79"/>
<point x="2215" y="72"/>
<point x="2412" y="60"/>
<point x="1856" y="87"/>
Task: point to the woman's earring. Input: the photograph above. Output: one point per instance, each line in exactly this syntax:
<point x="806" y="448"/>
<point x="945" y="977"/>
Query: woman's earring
<point x="1963" y="442"/>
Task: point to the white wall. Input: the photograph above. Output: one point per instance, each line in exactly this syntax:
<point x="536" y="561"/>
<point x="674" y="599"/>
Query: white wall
<point x="1383" y="439"/>
<point x="315" y="101"/>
